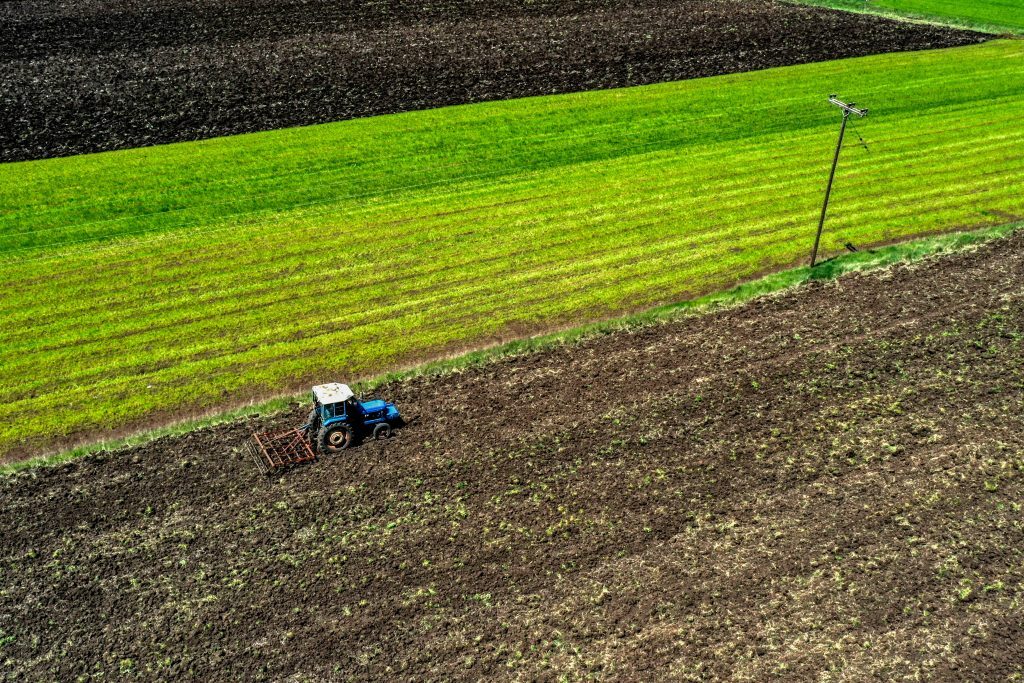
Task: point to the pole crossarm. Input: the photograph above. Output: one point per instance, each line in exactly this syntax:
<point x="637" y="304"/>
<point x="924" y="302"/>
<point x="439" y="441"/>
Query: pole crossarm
<point x="848" y="108"/>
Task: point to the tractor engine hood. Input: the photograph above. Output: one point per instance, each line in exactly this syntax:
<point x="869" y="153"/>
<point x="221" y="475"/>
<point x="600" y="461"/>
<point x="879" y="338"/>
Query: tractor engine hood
<point x="374" y="405"/>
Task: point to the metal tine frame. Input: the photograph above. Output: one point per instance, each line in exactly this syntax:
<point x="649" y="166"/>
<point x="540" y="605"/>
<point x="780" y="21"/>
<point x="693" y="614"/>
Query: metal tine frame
<point x="272" y="452"/>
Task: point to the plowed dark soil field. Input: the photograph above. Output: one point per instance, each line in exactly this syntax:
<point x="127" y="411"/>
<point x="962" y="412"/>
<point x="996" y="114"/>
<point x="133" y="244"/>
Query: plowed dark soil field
<point x="822" y="485"/>
<point x="109" y="74"/>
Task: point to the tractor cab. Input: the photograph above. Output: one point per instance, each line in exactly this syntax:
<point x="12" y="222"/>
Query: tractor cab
<point x="332" y="401"/>
<point x="338" y="418"/>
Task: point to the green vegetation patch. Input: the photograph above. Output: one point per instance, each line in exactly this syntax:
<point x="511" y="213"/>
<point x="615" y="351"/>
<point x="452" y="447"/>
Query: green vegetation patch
<point x="995" y="16"/>
<point x="140" y="286"/>
<point x="861" y="261"/>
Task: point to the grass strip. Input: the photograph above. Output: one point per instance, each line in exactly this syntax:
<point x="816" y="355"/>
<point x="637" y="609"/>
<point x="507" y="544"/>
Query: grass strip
<point x="861" y="261"/>
<point x="988" y="16"/>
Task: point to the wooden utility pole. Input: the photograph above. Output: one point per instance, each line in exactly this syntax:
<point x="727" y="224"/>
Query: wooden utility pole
<point x="848" y="109"/>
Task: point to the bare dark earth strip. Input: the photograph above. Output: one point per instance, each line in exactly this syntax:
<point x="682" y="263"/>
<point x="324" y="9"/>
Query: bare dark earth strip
<point x="94" y="76"/>
<point x="821" y="485"/>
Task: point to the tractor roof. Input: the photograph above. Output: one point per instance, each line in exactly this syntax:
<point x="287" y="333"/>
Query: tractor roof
<point x="334" y="392"/>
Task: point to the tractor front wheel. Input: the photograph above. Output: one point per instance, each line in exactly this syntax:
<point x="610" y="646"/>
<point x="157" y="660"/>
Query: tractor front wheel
<point x="335" y="439"/>
<point x="382" y="431"/>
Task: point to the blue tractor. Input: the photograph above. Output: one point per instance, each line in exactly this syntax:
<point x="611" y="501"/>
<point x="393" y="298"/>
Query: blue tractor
<point x="338" y="419"/>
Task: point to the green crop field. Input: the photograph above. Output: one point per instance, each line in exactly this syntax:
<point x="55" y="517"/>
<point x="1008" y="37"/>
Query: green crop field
<point x="989" y="15"/>
<point x="150" y="284"/>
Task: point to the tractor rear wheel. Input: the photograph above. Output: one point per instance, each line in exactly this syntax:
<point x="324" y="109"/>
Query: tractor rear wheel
<point x="382" y="431"/>
<point x="335" y="438"/>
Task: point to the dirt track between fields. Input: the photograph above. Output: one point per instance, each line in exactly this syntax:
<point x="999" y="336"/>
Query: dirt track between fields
<point x="110" y="74"/>
<point x="821" y="485"/>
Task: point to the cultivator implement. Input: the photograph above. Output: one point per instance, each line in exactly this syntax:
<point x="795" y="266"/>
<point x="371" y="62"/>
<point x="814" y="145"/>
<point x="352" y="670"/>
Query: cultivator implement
<point x="273" y="452"/>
